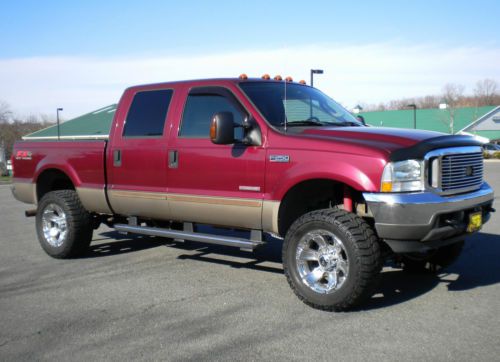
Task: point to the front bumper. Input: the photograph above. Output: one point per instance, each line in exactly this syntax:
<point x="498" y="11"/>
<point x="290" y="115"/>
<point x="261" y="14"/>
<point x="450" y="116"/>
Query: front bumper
<point x="424" y="220"/>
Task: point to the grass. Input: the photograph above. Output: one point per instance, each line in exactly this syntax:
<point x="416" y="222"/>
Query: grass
<point x="5" y="178"/>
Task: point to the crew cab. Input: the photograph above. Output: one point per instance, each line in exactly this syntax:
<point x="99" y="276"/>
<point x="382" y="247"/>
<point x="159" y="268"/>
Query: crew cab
<point x="266" y="156"/>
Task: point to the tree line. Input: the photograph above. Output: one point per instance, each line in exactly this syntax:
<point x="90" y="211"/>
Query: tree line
<point x="485" y="93"/>
<point x="13" y="127"/>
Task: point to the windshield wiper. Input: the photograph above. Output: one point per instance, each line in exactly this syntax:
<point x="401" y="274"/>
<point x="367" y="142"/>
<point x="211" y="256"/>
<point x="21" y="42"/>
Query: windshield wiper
<point x="345" y="124"/>
<point x="303" y="123"/>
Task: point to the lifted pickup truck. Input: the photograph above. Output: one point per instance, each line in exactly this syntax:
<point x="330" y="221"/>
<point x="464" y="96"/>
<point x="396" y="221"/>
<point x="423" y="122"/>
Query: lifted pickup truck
<point x="264" y="156"/>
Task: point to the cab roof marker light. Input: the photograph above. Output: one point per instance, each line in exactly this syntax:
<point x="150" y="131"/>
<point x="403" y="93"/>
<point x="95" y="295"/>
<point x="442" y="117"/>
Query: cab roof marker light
<point x="278" y="78"/>
<point x="289" y="79"/>
<point x="266" y="76"/>
<point x="243" y="76"/>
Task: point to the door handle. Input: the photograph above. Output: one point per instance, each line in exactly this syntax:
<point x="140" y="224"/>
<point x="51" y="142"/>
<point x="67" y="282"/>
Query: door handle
<point x="117" y="158"/>
<point x="173" y="159"/>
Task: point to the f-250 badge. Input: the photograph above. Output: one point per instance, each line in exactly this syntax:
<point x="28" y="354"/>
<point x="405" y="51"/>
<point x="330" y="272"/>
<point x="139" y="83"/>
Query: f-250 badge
<point x="279" y="158"/>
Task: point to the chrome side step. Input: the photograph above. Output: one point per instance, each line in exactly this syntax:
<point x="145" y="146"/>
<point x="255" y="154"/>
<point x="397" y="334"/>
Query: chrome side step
<point x="244" y="244"/>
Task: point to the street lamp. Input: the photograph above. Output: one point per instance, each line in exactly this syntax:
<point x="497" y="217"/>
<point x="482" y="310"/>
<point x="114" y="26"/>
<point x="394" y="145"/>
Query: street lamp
<point x="315" y="71"/>
<point x="58" y="132"/>
<point x="414" y="106"/>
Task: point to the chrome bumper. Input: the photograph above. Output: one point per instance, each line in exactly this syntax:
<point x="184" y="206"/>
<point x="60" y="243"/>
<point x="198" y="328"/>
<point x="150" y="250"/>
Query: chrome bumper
<point x="425" y="216"/>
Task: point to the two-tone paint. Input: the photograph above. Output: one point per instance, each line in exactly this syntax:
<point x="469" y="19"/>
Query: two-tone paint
<point x="228" y="185"/>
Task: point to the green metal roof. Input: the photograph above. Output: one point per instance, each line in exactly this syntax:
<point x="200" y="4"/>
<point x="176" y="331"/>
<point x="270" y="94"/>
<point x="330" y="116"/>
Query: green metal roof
<point x="93" y="125"/>
<point x="491" y="135"/>
<point x="427" y="119"/>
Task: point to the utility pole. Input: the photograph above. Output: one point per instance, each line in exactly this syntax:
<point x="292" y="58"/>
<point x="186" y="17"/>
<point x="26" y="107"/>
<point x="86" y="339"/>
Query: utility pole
<point x="58" y="130"/>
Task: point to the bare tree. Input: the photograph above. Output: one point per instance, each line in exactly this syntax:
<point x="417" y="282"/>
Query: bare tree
<point x="453" y="96"/>
<point x="486" y="92"/>
<point x="5" y="112"/>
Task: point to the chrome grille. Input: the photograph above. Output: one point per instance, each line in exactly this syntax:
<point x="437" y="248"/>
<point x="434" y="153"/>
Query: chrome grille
<point x="461" y="171"/>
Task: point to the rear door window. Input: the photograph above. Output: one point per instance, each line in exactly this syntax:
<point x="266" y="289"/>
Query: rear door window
<point x="147" y="114"/>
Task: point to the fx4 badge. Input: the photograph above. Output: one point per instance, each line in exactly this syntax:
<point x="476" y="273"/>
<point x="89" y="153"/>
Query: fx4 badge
<point x="279" y="158"/>
<point x="23" y="155"/>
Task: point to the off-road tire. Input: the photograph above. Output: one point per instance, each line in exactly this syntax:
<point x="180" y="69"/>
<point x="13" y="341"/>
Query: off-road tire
<point x="79" y="225"/>
<point x="433" y="261"/>
<point x="362" y="252"/>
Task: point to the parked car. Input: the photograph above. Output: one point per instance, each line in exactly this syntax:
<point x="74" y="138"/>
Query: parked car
<point x="264" y="156"/>
<point x="491" y="148"/>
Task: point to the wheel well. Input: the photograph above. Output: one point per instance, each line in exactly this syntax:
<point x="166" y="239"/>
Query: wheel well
<point x="51" y="180"/>
<point x="308" y="196"/>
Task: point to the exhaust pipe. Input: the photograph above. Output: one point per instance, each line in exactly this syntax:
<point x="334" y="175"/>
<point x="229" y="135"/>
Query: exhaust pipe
<point x="30" y="213"/>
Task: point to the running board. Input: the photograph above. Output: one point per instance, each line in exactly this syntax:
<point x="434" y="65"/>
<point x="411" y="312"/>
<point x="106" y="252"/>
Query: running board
<point x="244" y="244"/>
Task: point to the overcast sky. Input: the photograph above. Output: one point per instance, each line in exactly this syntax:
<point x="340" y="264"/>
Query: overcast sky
<point x="81" y="56"/>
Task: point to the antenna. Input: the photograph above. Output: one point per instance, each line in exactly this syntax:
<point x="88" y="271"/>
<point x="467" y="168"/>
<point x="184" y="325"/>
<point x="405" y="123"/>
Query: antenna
<point x="286" y="118"/>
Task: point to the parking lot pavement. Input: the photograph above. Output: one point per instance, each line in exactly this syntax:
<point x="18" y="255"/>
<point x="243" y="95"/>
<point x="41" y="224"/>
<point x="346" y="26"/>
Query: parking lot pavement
<point x="147" y="298"/>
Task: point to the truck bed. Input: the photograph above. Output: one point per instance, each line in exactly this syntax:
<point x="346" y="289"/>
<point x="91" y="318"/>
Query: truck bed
<point x="82" y="161"/>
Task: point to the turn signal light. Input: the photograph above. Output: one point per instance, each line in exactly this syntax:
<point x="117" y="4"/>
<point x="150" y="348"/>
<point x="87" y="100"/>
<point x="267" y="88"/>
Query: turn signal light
<point x="386" y="186"/>
<point x="213" y="129"/>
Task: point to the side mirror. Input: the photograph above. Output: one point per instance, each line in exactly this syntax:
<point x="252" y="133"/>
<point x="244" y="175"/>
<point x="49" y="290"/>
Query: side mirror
<point x="222" y="128"/>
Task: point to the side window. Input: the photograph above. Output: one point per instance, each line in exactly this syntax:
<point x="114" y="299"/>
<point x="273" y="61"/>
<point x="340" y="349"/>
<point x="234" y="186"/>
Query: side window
<point x="199" y="110"/>
<point x="147" y="113"/>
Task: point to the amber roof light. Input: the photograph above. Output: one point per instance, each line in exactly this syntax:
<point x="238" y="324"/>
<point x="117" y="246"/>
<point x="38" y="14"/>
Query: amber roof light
<point x="278" y="77"/>
<point x="243" y="76"/>
<point x="289" y="79"/>
<point x="266" y="76"/>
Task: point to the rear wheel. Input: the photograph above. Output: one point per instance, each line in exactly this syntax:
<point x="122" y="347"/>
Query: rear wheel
<point x="63" y="225"/>
<point x="331" y="259"/>
<point x="432" y="261"/>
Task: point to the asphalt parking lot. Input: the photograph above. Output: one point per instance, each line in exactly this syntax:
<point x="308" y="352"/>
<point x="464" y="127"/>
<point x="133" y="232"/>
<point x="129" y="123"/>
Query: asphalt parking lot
<point x="146" y="298"/>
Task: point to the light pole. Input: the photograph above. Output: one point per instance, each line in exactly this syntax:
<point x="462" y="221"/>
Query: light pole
<point x="58" y="132"/>
<point x="315" y="71"/>
<point x="414" y="106"/>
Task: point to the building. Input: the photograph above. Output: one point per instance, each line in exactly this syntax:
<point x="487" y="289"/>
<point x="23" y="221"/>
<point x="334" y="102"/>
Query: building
<point x="93" y="125"/>
<point x="481" y="121"/>
<point x="488" y="125"/>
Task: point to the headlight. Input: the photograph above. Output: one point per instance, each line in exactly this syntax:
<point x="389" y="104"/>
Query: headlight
<point x="403" y="176"/>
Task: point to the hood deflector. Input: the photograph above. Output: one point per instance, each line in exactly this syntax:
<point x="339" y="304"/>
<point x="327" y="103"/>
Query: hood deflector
<point x="419" y="150"/>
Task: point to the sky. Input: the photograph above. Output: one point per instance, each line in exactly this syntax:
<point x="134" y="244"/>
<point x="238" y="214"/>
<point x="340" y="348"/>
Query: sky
<point x="81" y="55"/>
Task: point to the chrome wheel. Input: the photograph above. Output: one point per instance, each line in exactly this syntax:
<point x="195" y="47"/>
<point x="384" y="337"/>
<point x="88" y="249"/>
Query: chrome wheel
<point x="321" y="261"/>
<point x="54" y="224"/>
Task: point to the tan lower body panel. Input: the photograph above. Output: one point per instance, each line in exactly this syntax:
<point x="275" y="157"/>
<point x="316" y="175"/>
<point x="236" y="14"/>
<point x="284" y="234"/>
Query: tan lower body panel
<point x="223" y="211"/>
<point x="93" y="199"/>
<point x="270" y="216"/>
<point x="24" y="192"/>
<point x="235" y="212"/>
<point x="146" y="204"/>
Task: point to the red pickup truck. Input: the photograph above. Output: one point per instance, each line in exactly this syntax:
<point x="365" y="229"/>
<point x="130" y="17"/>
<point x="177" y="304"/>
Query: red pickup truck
<point x="264" y="156"/>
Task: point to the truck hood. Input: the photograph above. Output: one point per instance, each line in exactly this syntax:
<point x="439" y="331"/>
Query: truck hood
<point x="397" y="142"/>
<point x="386" y="138"/>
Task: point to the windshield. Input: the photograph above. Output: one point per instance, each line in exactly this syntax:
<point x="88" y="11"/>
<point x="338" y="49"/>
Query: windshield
<point x="297" y="105"/>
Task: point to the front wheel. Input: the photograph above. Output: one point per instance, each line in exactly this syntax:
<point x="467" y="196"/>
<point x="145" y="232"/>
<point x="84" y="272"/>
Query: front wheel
<point x="63" y="225"/>
<point x="331" y="259"/>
